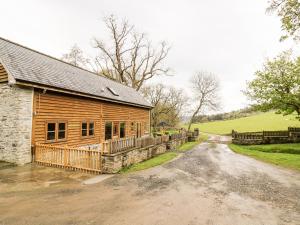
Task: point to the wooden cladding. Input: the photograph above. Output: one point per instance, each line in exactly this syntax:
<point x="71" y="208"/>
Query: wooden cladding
<point x="3" y="74"/>
<point x="53" y="107"/>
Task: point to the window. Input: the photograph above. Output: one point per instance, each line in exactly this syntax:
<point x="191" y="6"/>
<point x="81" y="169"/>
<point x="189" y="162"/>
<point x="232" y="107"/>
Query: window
<point x="116" y="129"/>
<point x="122" y="129"/>
<point x="108" y="130"/>
<point x="56" y="131"/>
<point x="61" y="131"/>
<point x="51" y="128"/>
<point x="91" y="129"/>
<point x="87" y="128"/>
<point x="84" y="129"/>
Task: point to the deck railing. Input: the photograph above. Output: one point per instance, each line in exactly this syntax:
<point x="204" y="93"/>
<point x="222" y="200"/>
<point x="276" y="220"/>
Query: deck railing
<point x="70" y="158"/>
<point x="118" y="145"/>
<point x="123" y="144"/>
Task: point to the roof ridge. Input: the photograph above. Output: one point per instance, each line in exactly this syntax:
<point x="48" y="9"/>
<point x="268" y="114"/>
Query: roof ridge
<point x="70" y="64"/>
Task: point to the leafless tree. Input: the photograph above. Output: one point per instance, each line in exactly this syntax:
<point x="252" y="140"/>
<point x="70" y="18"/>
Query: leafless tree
<point x="76" y="57"/>
<point x="168" y="103"/>
<point x="205" y="88"/>
<point x="130" y="57"/>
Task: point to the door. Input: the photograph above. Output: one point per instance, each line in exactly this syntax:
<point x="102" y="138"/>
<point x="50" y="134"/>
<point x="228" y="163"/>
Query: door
<point x="138" y="130"/>
<point x="108" y="130"/>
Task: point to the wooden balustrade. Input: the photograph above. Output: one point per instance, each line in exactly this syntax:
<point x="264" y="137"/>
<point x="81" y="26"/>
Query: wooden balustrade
<point x="118" y="145"/>
<point x="70" y="158"/>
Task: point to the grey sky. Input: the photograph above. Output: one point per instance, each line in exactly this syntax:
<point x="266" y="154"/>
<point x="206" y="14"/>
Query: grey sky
<point x="229" y="38"/>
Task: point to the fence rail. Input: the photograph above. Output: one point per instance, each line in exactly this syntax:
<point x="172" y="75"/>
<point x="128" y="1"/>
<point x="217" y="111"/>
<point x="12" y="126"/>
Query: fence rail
<point x="70" y="158"/>
<point x="282" y="136"/>
<point x="123" y="144"/>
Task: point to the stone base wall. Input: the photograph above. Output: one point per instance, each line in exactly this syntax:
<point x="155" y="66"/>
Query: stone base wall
<point x="174" y="144"/>
<point x="15" y="123"/>
<point x="113" y="163"/>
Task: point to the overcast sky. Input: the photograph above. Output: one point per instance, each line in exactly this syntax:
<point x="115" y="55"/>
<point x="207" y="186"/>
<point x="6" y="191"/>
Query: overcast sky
<point x="229" y="38"/>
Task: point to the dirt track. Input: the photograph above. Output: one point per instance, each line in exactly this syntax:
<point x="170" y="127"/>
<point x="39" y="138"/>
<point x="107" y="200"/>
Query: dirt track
<point x="208" y="185"/>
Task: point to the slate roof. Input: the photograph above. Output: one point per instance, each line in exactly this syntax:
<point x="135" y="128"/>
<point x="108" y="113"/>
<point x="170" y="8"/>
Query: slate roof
<point x="29" y="66"/>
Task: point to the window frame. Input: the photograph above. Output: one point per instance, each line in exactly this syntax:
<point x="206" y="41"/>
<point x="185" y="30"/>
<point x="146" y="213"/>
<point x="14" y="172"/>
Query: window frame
<point x="87" y="128"/>
<point x="91" y="121"/>
<point x="124" y="129"/>
<point x="117" y="124"/>
<point x="112" y="130"/>
<point x="56" y="122"/>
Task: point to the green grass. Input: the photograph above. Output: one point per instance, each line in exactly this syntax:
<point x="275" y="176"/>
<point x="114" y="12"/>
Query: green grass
<point x="189" y="145"/>
<point x="258" y="122"/>
<point x="281" y="159"/>
<point x="158" y="160"/>
<point x="277" y="148"/>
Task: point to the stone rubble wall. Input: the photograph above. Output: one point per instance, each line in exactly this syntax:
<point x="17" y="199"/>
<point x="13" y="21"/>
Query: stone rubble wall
<point x="15" y="123"/>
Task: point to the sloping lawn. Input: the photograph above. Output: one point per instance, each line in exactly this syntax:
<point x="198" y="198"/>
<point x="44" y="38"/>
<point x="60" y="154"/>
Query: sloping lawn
<point x="272" y="153"/>
<point x="157" y="160"/>
<point x="259" y="122"/>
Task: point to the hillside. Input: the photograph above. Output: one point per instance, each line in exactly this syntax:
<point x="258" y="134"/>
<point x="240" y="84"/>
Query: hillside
<point x="258" y="122"/>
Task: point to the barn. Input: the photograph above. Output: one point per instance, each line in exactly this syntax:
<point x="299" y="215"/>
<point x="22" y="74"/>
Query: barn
<point x="45" y="100"/>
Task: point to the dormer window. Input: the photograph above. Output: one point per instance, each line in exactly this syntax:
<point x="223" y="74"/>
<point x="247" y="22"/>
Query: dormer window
<point x="112" y="91"/>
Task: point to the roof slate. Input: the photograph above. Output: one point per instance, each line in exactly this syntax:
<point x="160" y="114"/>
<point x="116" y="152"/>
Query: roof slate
<point x="30" y="66"/>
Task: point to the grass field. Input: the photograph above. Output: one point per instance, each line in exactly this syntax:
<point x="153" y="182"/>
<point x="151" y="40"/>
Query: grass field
<point x="279" y="154"/>
<point x="258" y="122"/>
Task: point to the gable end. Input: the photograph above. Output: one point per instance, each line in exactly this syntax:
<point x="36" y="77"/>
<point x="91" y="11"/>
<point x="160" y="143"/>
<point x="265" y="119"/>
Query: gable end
<point x="3" y="74"/>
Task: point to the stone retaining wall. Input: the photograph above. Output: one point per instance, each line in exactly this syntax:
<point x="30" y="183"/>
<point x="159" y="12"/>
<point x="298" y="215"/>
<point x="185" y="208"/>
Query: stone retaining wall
<point x="15" y="124"/>
<point x="174" y="144"/>
<point x="113" y="163"/>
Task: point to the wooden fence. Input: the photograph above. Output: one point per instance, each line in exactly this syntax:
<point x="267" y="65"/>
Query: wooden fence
<point x="88" y="160"/>
<point x="264" y="137"/>
<point x="123" y="144"/>
<point x="69" y="158"/>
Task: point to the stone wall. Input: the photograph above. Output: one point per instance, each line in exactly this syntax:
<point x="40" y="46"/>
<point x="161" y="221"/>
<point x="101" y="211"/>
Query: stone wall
<point x="174" y="144"/>
<point x="113" y="163"/>
<point x="15" y="123"/>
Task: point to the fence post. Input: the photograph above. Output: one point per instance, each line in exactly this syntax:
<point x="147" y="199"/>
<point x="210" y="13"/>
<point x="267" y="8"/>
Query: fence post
<point x="110" y="146"/>
<point x="65" y="156"/>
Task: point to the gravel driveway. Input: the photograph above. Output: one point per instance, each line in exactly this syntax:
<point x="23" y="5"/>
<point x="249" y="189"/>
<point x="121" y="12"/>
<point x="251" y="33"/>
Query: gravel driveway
<point x="207" y="185"/>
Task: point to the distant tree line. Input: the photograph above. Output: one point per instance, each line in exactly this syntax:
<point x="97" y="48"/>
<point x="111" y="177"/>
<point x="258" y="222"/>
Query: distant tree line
<point x="226" y="116"/>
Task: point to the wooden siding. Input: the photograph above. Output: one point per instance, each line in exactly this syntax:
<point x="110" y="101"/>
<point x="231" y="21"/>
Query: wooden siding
<point x="54" y="107"/>
<point x="3" y="74"/>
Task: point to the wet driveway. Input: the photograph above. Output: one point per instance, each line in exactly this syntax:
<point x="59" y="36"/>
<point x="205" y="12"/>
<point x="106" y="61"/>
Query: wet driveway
<point x="207" y="185"/>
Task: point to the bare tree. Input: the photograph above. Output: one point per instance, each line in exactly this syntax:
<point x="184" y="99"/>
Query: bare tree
<point x="168" y="103"/>
<point x="130" y="57"/>
<point x="76" y="57"/>
<point x="205" y="87"/>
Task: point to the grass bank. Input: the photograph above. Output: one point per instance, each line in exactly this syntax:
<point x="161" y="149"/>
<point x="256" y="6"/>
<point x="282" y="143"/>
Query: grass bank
<point x="286" y="155"/>
<point x="157" y="160"/>
<point x="258" y="122"/>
